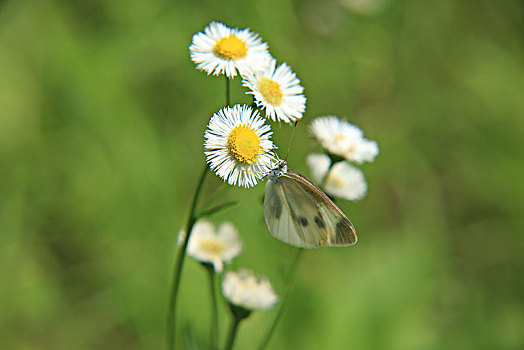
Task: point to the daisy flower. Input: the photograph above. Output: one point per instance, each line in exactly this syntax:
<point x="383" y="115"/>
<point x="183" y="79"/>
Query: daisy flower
<point x="207" y="246"/>
<point x="243" y="289"/>
<point x="346" y="181"/>
<point x="278" y="91"/>
<point x="319" y="165"/>
<point x="223" y="50"/>
<point x="237" y="145"/>
<point x="344" y="139"/>
<point x="340" y="180"/>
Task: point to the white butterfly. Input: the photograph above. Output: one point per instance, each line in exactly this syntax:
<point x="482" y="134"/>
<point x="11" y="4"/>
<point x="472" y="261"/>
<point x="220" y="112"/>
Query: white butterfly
<point x="299" y="213"/>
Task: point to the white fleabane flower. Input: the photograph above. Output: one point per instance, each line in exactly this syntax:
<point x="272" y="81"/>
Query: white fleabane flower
<point x="238" y="146"/>
<point x="340" y="180"/>
<point x="278" y="91"/>
<point x="346" y="181"/>
<point x="318" y="164"/>
<point x="207" y="246"/>
<point x="367" y="151"/>
<point x="223" y="50"/>
<point x="342" y="138"/>
<point x="243" y="289"/>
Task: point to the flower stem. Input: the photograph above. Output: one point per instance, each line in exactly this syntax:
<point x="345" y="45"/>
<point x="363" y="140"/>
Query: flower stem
<point x="213" y="335"/>
<point x="238" y="313"/>
<point x="290" y="282"/>
<point x="179" y="262"/>
<point x="235" y="321"/>
<point x="228" y="91"/>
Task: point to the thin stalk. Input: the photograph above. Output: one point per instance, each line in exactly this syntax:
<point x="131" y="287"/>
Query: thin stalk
<point x="228" y="91"/>
<point x="213" y="334"/>
<point x="217" y="208"/>
<point x="235" y="321"/>
<point x="214" y="197"/>
<point x="179" y="262"/>
<point x="289" y="286"/>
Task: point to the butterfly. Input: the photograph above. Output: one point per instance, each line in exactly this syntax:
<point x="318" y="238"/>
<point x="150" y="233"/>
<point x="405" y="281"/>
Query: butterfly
<point x="299" y="213"/>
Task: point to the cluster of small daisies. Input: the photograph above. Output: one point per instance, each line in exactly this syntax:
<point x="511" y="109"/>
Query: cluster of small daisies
<point x="238" y="148"/>
<point x="237" y="142"/>
<point x="344" y="141"/>
<point x="214" y="248"/>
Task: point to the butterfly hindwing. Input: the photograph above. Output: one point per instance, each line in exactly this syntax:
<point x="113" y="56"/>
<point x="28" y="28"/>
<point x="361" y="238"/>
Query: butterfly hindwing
<point x="299" y="213"/>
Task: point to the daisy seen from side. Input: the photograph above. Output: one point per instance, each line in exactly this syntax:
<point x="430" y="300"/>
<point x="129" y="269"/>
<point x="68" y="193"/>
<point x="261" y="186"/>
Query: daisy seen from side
<point x="344" y="139"/>
<point x="319" y="164"/>
<point x="341" y="179"/>
<point x="346" y="181"/>
<point x="244" y="289"/>
<point x="215" y="247"/>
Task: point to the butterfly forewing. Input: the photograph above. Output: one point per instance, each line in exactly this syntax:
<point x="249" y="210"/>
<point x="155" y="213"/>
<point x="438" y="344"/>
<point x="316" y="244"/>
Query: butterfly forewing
<point x="341" y="230"/>
<point x="299" y="213"/>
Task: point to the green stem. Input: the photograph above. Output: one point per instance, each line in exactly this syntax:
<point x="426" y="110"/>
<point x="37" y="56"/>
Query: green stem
<point x="217" y="208"/>
<point x="228" y="91"/>
<point x="215" y="196"/>
<point x="213" y="335"/>
<point x="179" y="262"/>
<point x="290" y="282"/>
<point x="235" y="321"/>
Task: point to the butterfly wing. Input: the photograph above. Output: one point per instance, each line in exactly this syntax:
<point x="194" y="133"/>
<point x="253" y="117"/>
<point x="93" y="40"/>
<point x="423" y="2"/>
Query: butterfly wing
<point x="299" y="213"/>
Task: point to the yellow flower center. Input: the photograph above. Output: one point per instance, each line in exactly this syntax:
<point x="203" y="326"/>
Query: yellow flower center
<point x="230" y="48"/>
<point x="339" y="137"/>
<point x="335" y="181"/>
<point x="213" y="247"/>
<point x="271" y="91"/>
<point x="244" y="144"/>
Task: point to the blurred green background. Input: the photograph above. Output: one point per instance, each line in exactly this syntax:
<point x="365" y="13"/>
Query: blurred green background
<point x="102" y="116"/>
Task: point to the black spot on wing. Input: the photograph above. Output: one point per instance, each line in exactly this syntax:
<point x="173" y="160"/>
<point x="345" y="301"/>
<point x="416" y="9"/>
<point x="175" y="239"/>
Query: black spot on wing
<point x="320" y="223"/>
<point x="302" y="221"/>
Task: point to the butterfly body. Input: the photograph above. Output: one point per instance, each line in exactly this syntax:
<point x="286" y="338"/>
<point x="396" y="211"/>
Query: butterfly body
<point x="299" y="213"/>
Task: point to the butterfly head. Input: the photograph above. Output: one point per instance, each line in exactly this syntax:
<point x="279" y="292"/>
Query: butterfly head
<point x="277" y="169"/>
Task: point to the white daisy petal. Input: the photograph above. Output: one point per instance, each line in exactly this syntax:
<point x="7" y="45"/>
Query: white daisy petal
<point x="224" y="50"/>
<point x="237" y="145"/>
<point x="367" y="151"/>
<point x="344" y="139"/>
<point x="319" y="166"/>
<point x="214" y="248"/>
<point x="346" y="181"/>
<point x="277" y="90"/>
<point x="243" y="289"/>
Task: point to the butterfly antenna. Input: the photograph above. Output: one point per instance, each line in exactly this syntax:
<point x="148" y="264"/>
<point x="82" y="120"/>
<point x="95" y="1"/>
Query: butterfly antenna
<point x="291" y="139"/>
